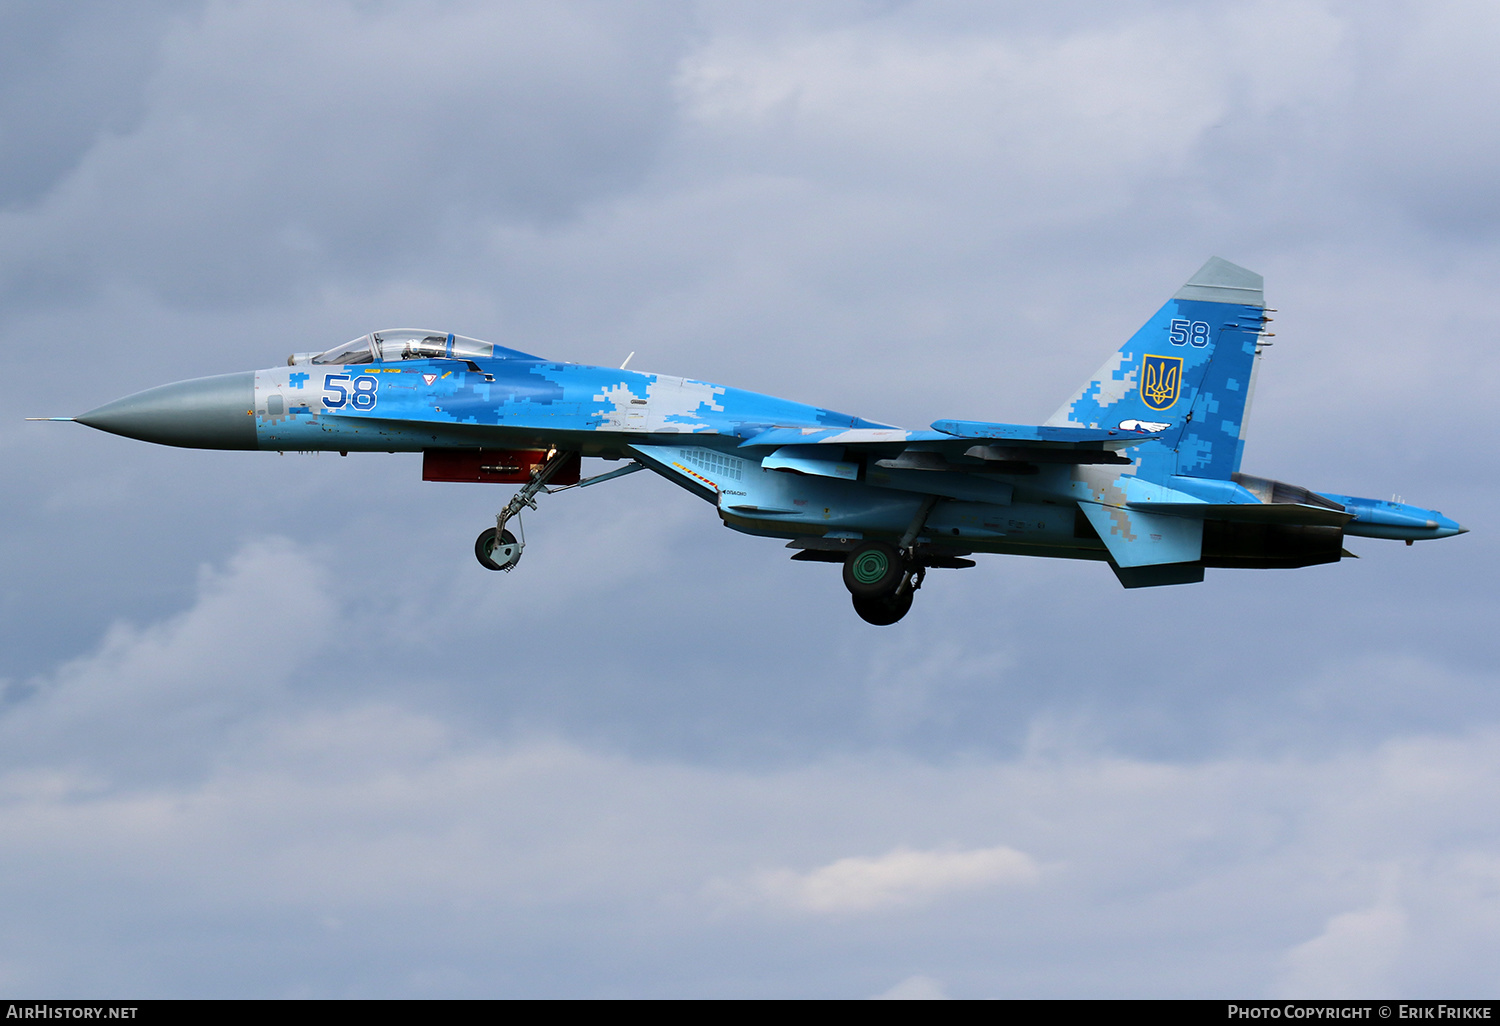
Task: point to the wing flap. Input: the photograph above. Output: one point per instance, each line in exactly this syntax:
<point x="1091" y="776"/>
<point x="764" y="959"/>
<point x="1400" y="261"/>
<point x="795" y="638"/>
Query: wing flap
<point x="1022" y="443"/>
<point x="1042" y="435"/>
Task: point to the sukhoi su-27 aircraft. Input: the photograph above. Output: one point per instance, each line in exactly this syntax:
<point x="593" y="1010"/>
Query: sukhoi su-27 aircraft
<point x="1139" y="468"/>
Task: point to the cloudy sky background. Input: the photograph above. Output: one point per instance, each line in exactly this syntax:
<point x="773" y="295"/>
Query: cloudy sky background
<point x="268" y="730"/>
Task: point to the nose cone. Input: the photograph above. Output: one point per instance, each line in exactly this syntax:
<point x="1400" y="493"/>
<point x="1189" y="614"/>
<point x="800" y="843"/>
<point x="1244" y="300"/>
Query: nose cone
<point x="204" y="413"/>
<point x="1447" y="528"/>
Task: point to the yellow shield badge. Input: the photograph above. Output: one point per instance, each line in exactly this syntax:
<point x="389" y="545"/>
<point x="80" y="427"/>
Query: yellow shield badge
<point x="1161" y="381"/>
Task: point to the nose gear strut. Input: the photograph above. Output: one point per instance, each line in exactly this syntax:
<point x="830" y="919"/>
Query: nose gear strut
<point x="498" y="549"/>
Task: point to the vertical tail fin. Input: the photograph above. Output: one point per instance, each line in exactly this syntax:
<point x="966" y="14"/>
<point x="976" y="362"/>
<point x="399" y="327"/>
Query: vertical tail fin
<point x="1186" y="373"/>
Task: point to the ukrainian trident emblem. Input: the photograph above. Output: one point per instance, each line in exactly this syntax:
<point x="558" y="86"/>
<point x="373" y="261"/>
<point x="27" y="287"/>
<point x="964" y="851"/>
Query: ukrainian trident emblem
<point x="1161" y="381"/>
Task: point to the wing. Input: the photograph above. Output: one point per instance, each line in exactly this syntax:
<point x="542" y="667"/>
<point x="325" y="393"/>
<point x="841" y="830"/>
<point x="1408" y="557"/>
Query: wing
<point x="962" y="445"/>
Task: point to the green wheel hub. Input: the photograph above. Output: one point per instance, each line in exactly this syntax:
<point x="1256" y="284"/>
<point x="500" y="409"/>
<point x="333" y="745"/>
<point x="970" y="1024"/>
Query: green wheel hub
<point x="871" y="566"/>
<point x="873" y="570"/>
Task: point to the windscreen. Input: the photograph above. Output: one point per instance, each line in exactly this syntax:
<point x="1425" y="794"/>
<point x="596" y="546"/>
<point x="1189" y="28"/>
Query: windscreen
<point x="356" y="351"/>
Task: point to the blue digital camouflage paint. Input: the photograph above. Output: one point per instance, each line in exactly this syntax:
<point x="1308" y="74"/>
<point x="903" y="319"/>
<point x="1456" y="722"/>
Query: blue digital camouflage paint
<point x="1187" y="373"/>
<point x="1140" y="468"/>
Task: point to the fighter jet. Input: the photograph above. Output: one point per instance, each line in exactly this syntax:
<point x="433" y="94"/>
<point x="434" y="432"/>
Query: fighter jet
<point x="1139" y="468"/>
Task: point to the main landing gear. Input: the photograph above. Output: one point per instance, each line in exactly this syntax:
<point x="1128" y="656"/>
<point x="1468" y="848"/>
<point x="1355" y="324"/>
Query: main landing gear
<point x="883" y="578"/>
<point x="498" y="549"/>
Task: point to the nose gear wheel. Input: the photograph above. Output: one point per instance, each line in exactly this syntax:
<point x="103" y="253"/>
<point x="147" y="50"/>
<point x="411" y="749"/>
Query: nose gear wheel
<point x="494" y="552"/>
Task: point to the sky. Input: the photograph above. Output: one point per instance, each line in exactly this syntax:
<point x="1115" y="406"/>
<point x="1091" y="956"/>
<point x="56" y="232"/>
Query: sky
<point x="268" y="730"/>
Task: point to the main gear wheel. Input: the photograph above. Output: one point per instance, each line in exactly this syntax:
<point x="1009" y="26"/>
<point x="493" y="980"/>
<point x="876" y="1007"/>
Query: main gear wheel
<point x="882" y="612"/>
<point x="874" y="570"/>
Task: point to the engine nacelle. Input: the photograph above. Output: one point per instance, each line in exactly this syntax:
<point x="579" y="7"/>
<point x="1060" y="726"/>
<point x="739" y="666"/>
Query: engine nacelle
<point x="1269" y="546"/>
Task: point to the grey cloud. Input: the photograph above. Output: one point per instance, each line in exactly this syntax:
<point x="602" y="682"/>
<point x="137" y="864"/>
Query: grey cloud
<point x="178" y="682"/>
<point x="354" y="140"/>
<point x="363" y="846"/>
<point x="1424" y="128"/>
<point x="69" y="75"/>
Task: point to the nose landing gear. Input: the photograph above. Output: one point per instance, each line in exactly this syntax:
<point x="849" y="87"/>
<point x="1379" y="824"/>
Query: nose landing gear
<point x="496" y="548"/>
<point x="497" y="551"/>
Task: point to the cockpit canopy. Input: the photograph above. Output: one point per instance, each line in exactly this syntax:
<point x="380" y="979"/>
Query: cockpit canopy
<point x="406" y="344"/>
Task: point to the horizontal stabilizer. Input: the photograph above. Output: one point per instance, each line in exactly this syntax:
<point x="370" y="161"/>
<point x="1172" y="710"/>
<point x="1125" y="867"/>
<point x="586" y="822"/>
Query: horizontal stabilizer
<point x="1135" y="538"/>
<point x="1157" y="576"/>
<point x="1289" y="513"/>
